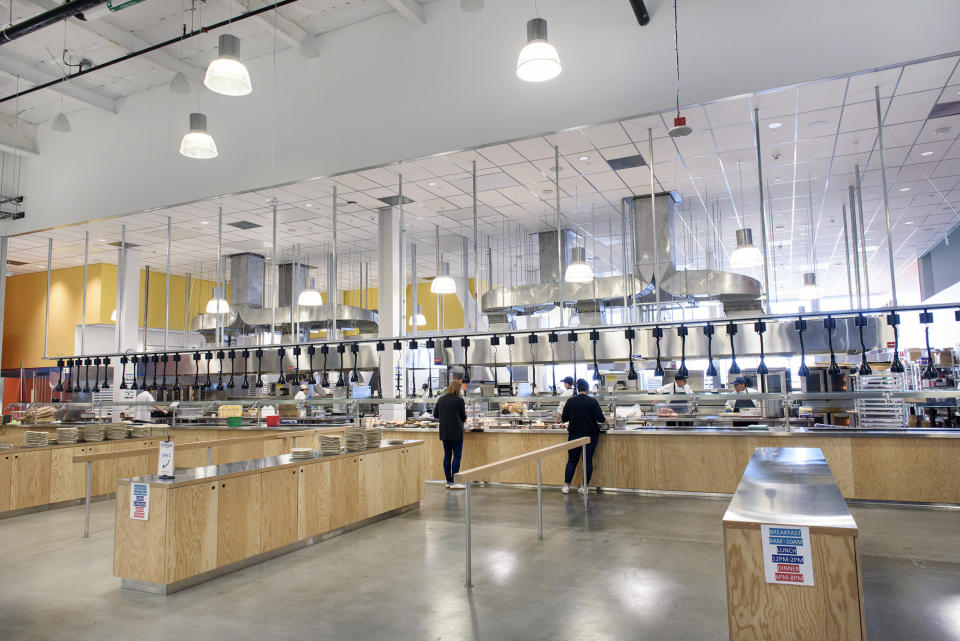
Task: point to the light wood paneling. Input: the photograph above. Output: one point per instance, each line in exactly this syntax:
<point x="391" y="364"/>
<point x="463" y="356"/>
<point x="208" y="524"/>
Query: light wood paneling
<point x="316" y="501"/>
<point x="907" y="469"/>
<point x="104" y="472"/>
<point x="344" y="490"/>
<point x="6" y="471"/>
<point x="191" y="530"/>
<point x="411" y="472"/>
<point x="67" y="479"/>
<point x="371" y="485"/>
<point x="276" y="447"/>
<point x="391" y="480"/>
<point x="278" y="508"/>
<point x="238" y="519"/>
<point x="136" y="465"/>
<point x="139" y="547"/>
<point x="237" y="452"/>
<point x="30" y="479"/>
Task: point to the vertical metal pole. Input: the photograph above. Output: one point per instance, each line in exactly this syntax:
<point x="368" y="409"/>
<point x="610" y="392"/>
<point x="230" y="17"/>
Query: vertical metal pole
<point x="403" y="276"/>
<point x="846" y="256"/>
<point x="121" y="278"/>
<point x="586" y="481"/>
<point x="86" y="509"/>
<point x="886" y="197"/>
<point x="146" y="305"/>
<point x="539" y="504"/>
<point x="653" y="219"/>
<point x="275" y="279"/>
<point x="217" y="290"/>
<point x="46" y="307"/>
<point x="476" y="255"/>
<point x="469" y="583"/>
<point x="83" y="303"/>
<point x="4" y="246"/>
<point x="863" y="236"/>
<point x="763" y="216"/>
<point x="166" y="310"/>
<point x="294" y="266"/>
<point x="853" y="245"/>
<point x="187" y="287"/>
<point x="623" y="260"/>
<point x="464" y="251"/>
<point x="332" y="275"/>
<point x="556" y="176"/>
<point x="773" y="284"/>
<point x="413" y="290"/>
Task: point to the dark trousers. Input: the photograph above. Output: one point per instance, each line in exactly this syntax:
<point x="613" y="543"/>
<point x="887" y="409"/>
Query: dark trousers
<point x="573" y="457"/>
<point x="452" y="450"/>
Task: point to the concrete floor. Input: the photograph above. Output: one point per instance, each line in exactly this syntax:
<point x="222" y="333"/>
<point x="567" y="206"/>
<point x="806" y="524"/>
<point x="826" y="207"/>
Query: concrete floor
<point x="640" y="568"/>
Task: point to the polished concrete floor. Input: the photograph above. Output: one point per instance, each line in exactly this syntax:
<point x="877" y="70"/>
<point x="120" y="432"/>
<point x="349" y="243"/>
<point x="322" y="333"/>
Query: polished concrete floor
<point x="636" y="568"/>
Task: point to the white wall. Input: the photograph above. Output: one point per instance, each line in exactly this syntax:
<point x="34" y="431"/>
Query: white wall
<point x="384" y="90"/>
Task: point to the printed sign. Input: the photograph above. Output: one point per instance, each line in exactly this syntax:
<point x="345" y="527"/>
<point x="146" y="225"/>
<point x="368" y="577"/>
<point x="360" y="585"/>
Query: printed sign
<point x="786" y="554"/>
<point x="165" y="460"/>
<point x="139" y="501"/>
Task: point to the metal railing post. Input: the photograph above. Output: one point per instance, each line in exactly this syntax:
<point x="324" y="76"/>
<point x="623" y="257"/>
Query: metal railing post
<point x="539" y="504"/>
<point x="586" y="488"/>
<point x="86" y="516"/>
<point x="469" y="583"/>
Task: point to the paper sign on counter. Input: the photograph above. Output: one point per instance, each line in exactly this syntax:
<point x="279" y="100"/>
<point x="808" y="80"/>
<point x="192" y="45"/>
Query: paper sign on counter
<point x="140" y="501"/>
<point x="786" y="554"/>
<point x="165" y="460"/>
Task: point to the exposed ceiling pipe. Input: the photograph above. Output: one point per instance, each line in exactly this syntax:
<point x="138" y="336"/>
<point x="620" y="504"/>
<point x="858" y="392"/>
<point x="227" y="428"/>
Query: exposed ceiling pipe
<point x="47" y="18"/>
<point x="640" y="10"/>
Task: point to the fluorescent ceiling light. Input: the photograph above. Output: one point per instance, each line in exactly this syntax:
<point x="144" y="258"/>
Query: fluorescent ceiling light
<point x="584" y="157"/>
<point x="904" y="189"/>
<point x="442" y="283"/>
<point x="816" y="124"/>
<point x="578" y="271"/>
<point x="774" y="125"/>
<point x="927" y="153"/>
<point x="538" y="60"/>
<point x="197" y="143"/>
<point x="746" y="254"/>
<point x="226" y="74"/>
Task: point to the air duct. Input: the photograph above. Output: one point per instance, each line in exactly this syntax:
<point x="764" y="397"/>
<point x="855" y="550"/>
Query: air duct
<point x="47" y="18"/>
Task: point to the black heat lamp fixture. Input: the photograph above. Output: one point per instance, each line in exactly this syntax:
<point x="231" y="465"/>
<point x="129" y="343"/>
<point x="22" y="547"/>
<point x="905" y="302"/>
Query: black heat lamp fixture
<point x="893" y="320"/>
<point x="708" y="331"/>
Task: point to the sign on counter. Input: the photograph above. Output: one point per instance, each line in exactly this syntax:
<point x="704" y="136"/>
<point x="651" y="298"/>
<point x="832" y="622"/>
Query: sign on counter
<point x="139" y="501"/>
<point x="165" y="460"/>
<point x="786" y="554"/>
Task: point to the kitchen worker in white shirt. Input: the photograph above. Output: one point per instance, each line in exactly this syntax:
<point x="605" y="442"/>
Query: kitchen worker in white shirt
<point x="565" y="393"/>
<point x="141" y="412"/>
<point x="740" y="387"/>
<point x="302" y="396"/>
<point x="678" y="386"/>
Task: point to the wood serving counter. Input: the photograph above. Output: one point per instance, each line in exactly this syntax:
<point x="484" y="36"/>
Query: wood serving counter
<point x="902" y="466"/>
<point x="209" y="521"/>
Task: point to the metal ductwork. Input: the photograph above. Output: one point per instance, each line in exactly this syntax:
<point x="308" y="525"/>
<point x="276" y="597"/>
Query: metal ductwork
<point x="47" y="18"/>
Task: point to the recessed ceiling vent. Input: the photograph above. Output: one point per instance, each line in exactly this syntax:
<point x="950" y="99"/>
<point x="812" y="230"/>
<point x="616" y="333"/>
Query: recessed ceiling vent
<point x="393" y="201"/>
<point x="944" y="109"/>
<point x="627" y="162"/>
<point x="127" y="244"/>
<point x="244" y="224"/>
<point x="16" y="263"/>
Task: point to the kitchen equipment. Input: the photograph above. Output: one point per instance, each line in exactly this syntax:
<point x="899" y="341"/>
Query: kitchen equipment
<point x="708" y="331"/>
<point x="324" y="379"/>
<point x="865" y="369"/>
<point x="893" y="320"/>
<point x="630" y="334"/>
<point x="683" y="372"/>
<point x="801" y="326"/>
<point x="272" y="420"/>
<point x="163" y="377"/>
<point x="281" y="352"/>
<point x="196" y="377"/>
<point x="355" y="376"/>
<point x="731" y="332"/>
<point x="552" y="338"/>
<point x="830" y="324"/>
<point x="296" y="366"/>
<point x="232" y="355"/>
<point x="86" y="376"/>
<point x="658" y="335"/>
<point x="155" y="359"/>
<point x="760" y="327"/>
<point x="465" y="343"/>
<point x="259" y="355"/>
<point x="96" y="376"/>
<point x="220" y="356"/>
<point x="341" y="349"/>
<point x="930" y="373"/>
<point x="209" y="357"/>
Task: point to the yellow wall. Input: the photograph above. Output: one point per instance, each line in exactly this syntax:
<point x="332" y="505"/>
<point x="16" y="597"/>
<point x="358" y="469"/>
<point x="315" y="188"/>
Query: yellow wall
<point x="428" y="301"/>
<point x="24" y="307"/>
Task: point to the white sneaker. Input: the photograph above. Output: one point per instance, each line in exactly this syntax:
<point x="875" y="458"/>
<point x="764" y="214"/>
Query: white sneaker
<point x="565" y="489"/>
<point x="447" y="485"/>
<point x="583" y="490"/>
<point x="458" y="486"/>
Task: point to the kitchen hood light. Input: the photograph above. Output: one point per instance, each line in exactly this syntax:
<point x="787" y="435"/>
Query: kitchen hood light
<point x="180" y="84"/>
<point x="310" y="297"/>
<point x="197" y="143"/>
<point x="578" y="271"/>
<point x="226" y="74"/>
<point x="217" y="304"/>
<point x="61" y="123"/>
<point x="538" y="60"/>
<point x="419" y="319"/>
<point x="810" y="290"/>
<point x="442" y="283"/>
<point x="746" y="254"/>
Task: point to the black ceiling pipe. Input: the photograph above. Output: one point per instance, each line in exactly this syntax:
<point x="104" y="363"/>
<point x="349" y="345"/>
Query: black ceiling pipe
<point x="640" y="10"/>
<point x="47" y="18"/>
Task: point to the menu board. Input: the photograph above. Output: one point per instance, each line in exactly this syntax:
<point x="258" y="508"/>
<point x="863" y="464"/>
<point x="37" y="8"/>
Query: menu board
<point x="786" y="554"/>
<point x="140" y="501"/>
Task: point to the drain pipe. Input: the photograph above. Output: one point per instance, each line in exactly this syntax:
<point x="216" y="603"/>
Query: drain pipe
<point x="47" y="18"/>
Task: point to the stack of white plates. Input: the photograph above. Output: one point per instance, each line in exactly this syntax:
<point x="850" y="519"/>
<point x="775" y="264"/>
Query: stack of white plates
<point x="5" y="446"/>
<point x="356" y="438"/>
<point x="302" y="453"/>
<point x="92" y="432"/>
<point x="116" y="431"/>
<point x="66" y="435"/>
<point x="35" y="439"/>
<point x="141" y="431"/>
<point x="329" y="445"/>
<point x="374" y="436"/>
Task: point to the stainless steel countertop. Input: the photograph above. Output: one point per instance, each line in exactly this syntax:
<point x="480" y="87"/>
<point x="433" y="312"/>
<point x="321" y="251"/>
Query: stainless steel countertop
<point x="720" y="431"/>
<point x="185" y="475"/>
<point x="789" y="486"/>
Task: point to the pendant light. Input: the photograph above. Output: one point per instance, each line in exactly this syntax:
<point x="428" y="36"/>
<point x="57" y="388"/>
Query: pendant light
<point x="179" y="84"/>
<point x="197" y="142"/>
<point x="310" y="46"/>
<point x="578" y="271"/>
<point x="61" y="123"/>
<point x="809" y="290"/>
<point x="417" y="319"/>
<point x="680" y="128"/>
<point x="310" y="297"/>
<point x="226" y="74"/>
<point x="538" y="60"/>
<point x="746" y="254"/>
<point x="443" y="283"/>
<point x="217" y="303"/>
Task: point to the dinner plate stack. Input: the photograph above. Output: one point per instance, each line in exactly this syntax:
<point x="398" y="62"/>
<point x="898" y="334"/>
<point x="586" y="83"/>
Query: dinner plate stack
<point x="92" y="432"/>
<point x="116" y="431"/>
<point x="329" y="445"/>
<point x="302" y="453"/>
<point x="35" y="439"/>
<point x="5" y="446"/>
<point x="356" y="438"/>
<point x="373" y="437"/>
<point x="67" y="435"/>
<point x="141" y="431"/>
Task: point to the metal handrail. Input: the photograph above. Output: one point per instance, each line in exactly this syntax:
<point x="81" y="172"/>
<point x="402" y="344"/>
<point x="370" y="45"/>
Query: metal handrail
<point x="476" y="473"/>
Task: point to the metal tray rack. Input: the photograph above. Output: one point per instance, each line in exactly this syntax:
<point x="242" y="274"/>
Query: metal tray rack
<point x="881" y="413"/>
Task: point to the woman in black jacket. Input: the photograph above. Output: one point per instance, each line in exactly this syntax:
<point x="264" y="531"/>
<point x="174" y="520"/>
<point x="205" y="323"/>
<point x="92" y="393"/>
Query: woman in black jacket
<point x="451" y="412"/>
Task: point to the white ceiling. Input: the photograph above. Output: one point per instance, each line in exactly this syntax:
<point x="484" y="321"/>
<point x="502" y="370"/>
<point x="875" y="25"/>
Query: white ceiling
<point x="825" y="129"/>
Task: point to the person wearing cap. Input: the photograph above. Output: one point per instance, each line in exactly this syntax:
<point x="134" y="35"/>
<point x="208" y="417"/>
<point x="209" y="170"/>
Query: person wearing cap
<point x="302" y="396"/>
<point x="565" y="393"/>
<point x="678" y="386"/>
<point x="583" y="415"/>
<point x="740" y="387"/>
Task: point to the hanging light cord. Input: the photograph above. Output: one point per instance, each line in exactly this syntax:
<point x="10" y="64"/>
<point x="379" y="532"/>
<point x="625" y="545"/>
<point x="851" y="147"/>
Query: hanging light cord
<point x="676" y="50"/>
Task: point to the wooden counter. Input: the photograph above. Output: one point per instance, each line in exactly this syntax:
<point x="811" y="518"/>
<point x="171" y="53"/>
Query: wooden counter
<point x="813" y="539"/>
<point x="900" y="467"/>
<point x="211" y="521"/>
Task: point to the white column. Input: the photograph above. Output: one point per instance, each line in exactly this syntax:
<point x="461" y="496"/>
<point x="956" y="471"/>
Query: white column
<point x="129" y="314"/>
<point x="390" y="289"/>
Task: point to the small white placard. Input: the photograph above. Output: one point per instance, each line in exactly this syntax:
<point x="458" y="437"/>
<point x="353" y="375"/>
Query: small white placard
<point x="140" y="501"/>
<point x="786" y="554"/>
<point x="165" y="459"/>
